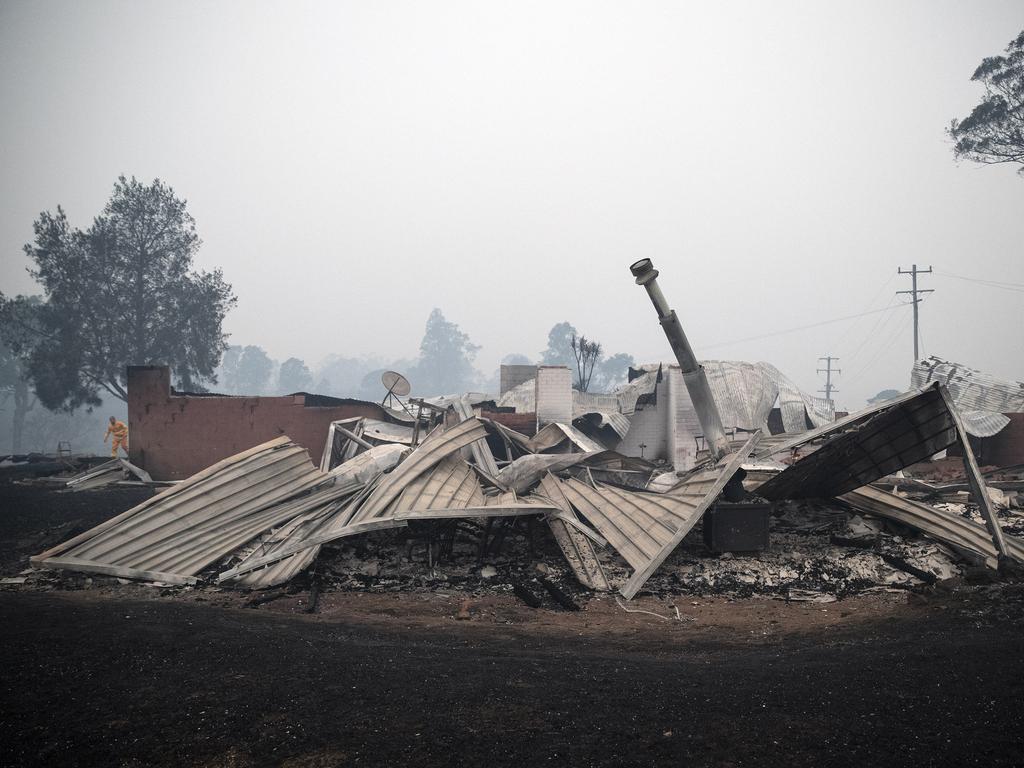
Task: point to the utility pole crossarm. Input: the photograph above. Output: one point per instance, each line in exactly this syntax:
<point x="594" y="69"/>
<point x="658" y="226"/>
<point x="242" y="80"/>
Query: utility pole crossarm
<point x="828" y="370"/>
<point x="914" y="292"/>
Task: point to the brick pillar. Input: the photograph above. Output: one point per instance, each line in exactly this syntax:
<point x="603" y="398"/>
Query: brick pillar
<point x="514" y="375"/>
<point x="554" y="394"/>
<point x="148" y="385"/>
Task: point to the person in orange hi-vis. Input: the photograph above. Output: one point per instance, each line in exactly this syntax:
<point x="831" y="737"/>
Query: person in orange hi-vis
<point x="120" y="433"/>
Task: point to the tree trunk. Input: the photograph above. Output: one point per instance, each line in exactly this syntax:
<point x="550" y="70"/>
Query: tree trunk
<point x="21" y="408"/>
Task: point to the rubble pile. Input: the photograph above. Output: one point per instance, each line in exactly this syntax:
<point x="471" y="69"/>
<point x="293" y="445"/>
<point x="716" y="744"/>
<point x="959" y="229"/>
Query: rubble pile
<point x="447" y="475"/>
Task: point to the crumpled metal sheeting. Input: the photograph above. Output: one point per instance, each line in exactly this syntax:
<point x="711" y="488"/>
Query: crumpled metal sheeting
<point x="370" y="463"/>
<point x="973" y="390"/>
<point x="385" y="432"/>
<point x="555" y="434"/>
<point x="447" y="401"/>
<point x="452" y="490"/>
<point x="451" y="484"/>
<point x="644" y="385"/>
<point x="795" y="405"/>
<point x="515" y="443"/>
<point x="636" y="524"/>
<point x="743" y="392"/>
<point x="593" y="402"/>
<point x="433" y="482"/>
<point x="866" y="446"/>
<point x="437" y="446"/>
<point x="604" y="406"/>
<point x="946" y="527"/>
<point x="983" y="423"/>
<point x="479" y="449"/>
<point x="339" y="448"/>
<point x="646" y="527"/>
<point x="318" y="510"/>
<point x="617" y="421"/>
<point x="578" y="549"/>
<point x="203" y="518"/>
<point x="526" y="471"/>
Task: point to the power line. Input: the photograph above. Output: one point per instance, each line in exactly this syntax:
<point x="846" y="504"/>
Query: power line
<point x="877" y="328"/>
<point x="882" y="348"/>
<point x="1015" y="287"/>
<point x="797" y="328"/>
<point x="869" y="305"/>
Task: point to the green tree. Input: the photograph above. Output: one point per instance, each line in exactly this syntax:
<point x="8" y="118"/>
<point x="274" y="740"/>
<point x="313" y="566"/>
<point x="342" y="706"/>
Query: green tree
<point x="883" y="396"/>
<point x="446" y="359"/>
<point x="19" y="335"/>
<point x="246" y="370"/>
<point x="612" y="371"/>
<point x="14" y="389"/>
<point x="294" y="376"/>
<point x="994" y="131"/>
<point x="559" y="350"/>
<point x="123" y="292"/>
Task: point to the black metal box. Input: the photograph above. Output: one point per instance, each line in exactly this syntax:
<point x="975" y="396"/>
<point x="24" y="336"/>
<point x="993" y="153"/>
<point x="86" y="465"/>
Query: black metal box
<point x="737" y="527"/>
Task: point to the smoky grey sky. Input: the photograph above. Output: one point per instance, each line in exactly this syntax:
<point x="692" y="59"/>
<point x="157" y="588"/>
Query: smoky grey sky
<point x="352" y="165"/>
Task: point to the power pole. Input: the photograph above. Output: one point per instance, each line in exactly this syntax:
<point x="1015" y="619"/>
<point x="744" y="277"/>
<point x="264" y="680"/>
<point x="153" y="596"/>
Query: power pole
<point x="828" y="370"/>
<point x="914" y="290"/>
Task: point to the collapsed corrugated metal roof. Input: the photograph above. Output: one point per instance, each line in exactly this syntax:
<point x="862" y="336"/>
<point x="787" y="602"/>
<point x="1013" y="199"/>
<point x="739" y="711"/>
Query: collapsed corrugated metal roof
<point x="646" y="527"/>
<point x="879" y="441"/>
<point x="981" y="398"/>
<point x="452" y="490"/>
<point x="174" y="535"/>
<point x="865" y="446"/>
<point x="577" y="547"/>
<point x="966" y="536"/>
<point x="481" y="453"/>
<point x="557" y="436"/>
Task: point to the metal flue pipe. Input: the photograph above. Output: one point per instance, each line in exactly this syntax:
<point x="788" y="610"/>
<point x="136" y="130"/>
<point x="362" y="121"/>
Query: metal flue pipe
<point x="693" y="372"/>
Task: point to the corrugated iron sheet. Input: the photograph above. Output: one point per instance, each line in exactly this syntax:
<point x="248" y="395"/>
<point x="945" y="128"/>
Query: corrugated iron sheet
<point x="865" y="446"/>
<point x="640" y="389"/>
<point x="983" y="423"/>
<point x="320" y="508"/>
<point x="947" y="527"/>
<point x="646" y="527"/>
<point x="983" y="396"/>
<point x="437" y="446"/>
<point x="743" y="392"/>
<point x="578" y="549"/>
<point x="480" y="451"/>
<point x="555" y="434"/>
<point x="211" y="514"/>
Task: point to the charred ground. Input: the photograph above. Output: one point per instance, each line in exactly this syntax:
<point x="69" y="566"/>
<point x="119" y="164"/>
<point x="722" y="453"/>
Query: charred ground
<point x="98" y="673"/>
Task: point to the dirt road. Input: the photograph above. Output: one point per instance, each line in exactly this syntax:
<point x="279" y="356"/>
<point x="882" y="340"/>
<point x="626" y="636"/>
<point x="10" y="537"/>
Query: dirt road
<point x="97" y="673"/>
<point x="96" y="680"/>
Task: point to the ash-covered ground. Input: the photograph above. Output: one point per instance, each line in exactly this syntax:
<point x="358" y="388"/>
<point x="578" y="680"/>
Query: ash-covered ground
<point x="422" y="657"/>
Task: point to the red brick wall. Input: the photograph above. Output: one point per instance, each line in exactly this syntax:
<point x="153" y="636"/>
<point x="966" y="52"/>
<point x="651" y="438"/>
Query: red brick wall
<point x="1005" y="448"/>
<point x="525" y="423"/>
<point x="174" y="436"/>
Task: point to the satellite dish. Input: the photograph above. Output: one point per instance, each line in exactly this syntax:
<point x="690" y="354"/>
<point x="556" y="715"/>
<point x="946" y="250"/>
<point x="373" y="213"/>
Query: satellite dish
<point x="395" y="383"/>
